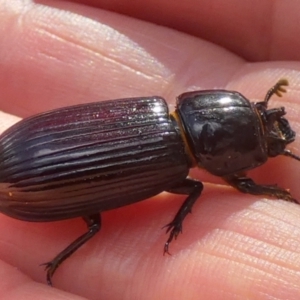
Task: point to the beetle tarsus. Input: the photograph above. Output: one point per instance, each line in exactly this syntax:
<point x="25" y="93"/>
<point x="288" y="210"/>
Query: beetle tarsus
<point x="50" y="269"/>
<point x="49" y="274"/>
<point x="247" y="185"/>
<point x="175" y="227"/>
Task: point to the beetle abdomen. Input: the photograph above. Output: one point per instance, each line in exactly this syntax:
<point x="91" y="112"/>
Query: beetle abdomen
<point x="86" y="158"/>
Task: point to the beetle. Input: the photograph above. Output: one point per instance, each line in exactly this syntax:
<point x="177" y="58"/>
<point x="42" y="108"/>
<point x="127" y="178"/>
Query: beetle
<point x="81" y="160"/>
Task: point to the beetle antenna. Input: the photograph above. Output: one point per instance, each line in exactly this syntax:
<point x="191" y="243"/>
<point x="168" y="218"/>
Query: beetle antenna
<point x="291" y="154"/>
<point x="277" y="89"/>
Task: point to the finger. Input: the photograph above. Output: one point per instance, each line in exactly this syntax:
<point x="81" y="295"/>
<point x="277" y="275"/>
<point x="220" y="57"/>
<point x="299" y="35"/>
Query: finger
<point x="255" y="31"/>
<point x="138" y="241"/>
<point x="15" y="285"/>
<point x="82" y="55"/>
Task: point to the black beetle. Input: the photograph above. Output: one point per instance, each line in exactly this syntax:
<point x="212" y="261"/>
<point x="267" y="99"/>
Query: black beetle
<point x="80" y="160"/>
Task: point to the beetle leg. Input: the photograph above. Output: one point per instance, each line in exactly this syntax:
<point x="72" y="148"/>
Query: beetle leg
<point x="94" y="224"/>
<point x="247" y="185"/>
<point x="193" y="189"/>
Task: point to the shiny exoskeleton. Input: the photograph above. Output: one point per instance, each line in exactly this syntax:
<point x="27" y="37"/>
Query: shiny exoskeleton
<point x="81" y="160"/>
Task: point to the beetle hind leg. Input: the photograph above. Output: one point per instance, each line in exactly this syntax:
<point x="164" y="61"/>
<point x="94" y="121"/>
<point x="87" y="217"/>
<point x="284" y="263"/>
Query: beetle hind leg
<point x="94" y="224"/>
<point x="247" y="185"/>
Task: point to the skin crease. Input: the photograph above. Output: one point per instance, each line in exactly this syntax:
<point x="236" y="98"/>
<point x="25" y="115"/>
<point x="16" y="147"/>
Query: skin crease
<point x="234" y="246"/>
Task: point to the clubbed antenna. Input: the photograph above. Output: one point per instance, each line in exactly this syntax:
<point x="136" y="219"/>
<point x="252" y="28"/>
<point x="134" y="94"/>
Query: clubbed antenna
<point x="277" y="89"/>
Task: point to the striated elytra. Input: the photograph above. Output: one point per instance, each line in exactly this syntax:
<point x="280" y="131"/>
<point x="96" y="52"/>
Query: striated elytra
<point x="81" y="160"/>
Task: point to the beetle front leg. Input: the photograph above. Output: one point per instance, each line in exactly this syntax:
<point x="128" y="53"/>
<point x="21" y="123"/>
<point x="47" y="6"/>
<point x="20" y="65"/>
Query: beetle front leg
<point x="193" y="189"/>
<point x="247" y="185"/>
<point x="94" y="224"/>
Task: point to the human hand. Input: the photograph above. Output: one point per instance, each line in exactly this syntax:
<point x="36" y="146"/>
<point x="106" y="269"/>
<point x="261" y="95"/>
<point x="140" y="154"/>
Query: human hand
<point x="233" y="246"/>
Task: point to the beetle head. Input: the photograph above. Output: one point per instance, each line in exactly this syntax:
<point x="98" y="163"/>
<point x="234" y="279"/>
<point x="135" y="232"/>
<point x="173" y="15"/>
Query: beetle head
<point x="277" y="130"/>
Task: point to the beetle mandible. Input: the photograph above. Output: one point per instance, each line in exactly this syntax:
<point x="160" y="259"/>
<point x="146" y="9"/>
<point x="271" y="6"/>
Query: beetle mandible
<point x="81" y="160"/>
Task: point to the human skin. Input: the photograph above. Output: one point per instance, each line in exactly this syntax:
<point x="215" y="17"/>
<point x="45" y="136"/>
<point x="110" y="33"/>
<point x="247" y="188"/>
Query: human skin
<point x="233" y="246"/>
